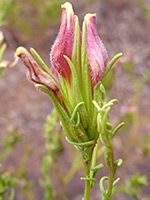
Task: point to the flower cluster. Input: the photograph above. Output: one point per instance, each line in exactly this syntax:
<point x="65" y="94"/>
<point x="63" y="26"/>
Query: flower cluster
<point x="78" y="63"/>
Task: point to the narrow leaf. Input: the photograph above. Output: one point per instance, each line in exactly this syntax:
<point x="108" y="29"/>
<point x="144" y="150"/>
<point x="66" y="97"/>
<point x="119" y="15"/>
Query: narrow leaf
<point x="109" y="66"/>
<point x="116" y="181"/>
<point x="117" y="129"/>
<point x="83" y="144"/>
<point x="102" y="188"/>
<point x="62" y="113"/>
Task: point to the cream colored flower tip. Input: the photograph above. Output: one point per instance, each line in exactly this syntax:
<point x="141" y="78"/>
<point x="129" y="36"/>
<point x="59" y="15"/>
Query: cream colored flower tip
<point x="89" y="16"/>
<point x="1" y="37"/>
<point x="67" y="5"/>
<point x="20" y="50"/>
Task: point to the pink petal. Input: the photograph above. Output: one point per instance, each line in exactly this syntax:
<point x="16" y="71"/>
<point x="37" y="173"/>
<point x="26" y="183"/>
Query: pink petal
<point x="96" y="52"/>
<point x="64" y="42"/>
<point x="54" y="72"/>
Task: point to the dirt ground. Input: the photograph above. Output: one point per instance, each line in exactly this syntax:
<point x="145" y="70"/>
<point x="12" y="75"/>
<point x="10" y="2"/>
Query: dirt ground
<point x="123" y="28"/>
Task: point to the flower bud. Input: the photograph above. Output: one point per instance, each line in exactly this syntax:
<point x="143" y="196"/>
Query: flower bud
<point x="64" y="42"/>
<point x="96" y="52"/>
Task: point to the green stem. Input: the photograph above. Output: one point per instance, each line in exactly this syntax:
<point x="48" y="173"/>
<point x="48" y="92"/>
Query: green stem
<point x="87" y="190"/>
<point x="94" y="157"/>
<point x="111" y="172"/>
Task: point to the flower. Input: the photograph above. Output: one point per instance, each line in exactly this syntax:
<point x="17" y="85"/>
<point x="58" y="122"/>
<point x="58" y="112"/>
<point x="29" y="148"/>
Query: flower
<point x="64" y="42"/>
<point x="68" y="43"/>
<point x="65" y="45"/>
<point x="78" y="62"/>
<point x="96" y="52"/>
<point x="36" y="74"/>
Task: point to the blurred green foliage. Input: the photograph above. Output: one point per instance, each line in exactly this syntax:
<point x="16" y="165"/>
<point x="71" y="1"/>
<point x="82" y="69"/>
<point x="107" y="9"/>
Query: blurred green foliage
<point x="8" y="180"/>
<point x="3" y="64"/>
<point x="2" y="12"/>
<point x="52" y="134"/>
<point x="134" y="186"/>
<point x="9" y="143"/>
<point x="131" y="115"/>
<point x="14" y="178"/>
<point x="109" y="80"/>
<point x="145" y="8"/>
<point x="145" y="146"/>
<point x="2" y="50"/>
<point x="30" y="18"/>
<point x="7" y="185"/>
<point x="11" y="140"/>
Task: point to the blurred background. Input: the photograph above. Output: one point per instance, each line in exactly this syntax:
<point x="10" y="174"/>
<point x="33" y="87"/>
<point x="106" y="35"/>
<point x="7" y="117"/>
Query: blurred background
<point x="31" y="140"/>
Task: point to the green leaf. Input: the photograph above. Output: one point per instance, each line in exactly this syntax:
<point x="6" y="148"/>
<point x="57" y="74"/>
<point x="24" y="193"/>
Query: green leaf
<point x="103" y="92"/>
<point x="62" y="113"/>
<point x="116" y="181"/>
<point x="76" y="54"/>
<point x="95" y="113"/>
<point x="75" y="110"/>
<point x="117" y="129"/>
<point x="117" y="164"/>
<point x="86" y="82"/>
<point x="96" y="169"/>
<point x="93" y="180"/>
<point x="104" y="124"/>
<point x="75" y="93"/>
<point x="72" y="133"/>
<point x="102" y="188"/>
<point x="109" y="66"/>
<point x="83" y="144"/>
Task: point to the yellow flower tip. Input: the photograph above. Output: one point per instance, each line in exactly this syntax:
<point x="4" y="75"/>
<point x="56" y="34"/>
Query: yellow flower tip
<point x="89" y="16"/>
<point x="68" y="7"/>
<point x="20" y="50"/>
<point x="68" y="12"/>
